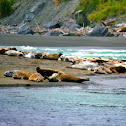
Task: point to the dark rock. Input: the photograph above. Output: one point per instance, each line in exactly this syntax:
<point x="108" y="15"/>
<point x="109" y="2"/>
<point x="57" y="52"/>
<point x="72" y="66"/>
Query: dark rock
<point x="52" y="33"/>
<point x="63" y="23"/>
<point x="25" y="30"/>
<point x="121" y="35"/>
<point x="53" y="24"/>
<point x="70" y="24"/>
<point x="100" y="31"/>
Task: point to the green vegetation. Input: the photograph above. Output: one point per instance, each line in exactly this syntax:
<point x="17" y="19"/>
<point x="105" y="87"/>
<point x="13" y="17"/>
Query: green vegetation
<point x="101" y="9"/>
<point x="6" y="7"/>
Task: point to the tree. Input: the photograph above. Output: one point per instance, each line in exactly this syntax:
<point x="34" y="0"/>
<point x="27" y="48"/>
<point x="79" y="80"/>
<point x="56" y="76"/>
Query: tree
<point x="6" y="7"/>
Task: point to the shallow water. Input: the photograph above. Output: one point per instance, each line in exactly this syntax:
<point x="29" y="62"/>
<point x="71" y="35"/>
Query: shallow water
<point x="62" y="106"/>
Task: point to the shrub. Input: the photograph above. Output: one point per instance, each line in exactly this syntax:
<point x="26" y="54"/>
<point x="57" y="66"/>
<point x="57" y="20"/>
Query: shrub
<point x="101" y="9"/>
<point x="6" y="7"/>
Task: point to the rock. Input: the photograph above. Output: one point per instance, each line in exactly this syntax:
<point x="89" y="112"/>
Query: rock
<point x="53" y="24"/>
<point x="70" y="24"/>
<point x="63" y="23"/>
<point x="38" y="7"/>
<point x="25" y="30"/>
<point x="29" y="17"/>
<point x="100" y="31"/>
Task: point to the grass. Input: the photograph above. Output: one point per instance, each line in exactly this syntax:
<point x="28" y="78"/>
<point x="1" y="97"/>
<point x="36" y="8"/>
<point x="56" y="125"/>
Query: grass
<point x="6" y="7"/>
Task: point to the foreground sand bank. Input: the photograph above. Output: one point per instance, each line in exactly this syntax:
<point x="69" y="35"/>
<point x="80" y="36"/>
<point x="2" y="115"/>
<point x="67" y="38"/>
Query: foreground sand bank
<point x="8" y="63"/>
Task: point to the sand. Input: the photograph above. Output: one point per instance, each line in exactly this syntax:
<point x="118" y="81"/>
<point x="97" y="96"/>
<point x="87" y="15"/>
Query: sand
<point x="60" y="41"/>
<point x="8" y="63"/>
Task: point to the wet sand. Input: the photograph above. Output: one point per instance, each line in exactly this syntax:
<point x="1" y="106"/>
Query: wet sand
<point x="54" y="41"/>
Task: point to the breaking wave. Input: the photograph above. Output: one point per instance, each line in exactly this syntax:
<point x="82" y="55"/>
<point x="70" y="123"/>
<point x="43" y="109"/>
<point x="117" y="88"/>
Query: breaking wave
<point x="81" y="52"/>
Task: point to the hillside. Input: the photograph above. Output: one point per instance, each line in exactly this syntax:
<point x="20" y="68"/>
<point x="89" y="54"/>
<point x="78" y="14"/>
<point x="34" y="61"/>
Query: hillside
<point x="88" y="12"/>
<point x="40" y="12"/>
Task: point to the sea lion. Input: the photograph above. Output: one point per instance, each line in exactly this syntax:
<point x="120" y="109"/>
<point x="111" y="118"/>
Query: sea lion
<point x="54" y="56"/>
<point x="36" y="77"/>
<point x="12" y="53"/>
<point x="102" y="70"/>
<point x="85" y="65"/>
<point x="2" y="51"/>
<point x="69" y="78"/>
<point x="21" y="75"/>
<point x="10" y="73"/>
<point x="53" y="78"/>
<point x="119" y="69"/>
<point x="67" y="58"/>
<point x="46" y="71"/>
<point x="29" y="55"/>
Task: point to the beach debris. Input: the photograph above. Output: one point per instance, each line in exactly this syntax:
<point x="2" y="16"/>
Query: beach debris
<point x="37" y="77"/>
<point x="21" y="75"/>
<point x="10" y="73"/>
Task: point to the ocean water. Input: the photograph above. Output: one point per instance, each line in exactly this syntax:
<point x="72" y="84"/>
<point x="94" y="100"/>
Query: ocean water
<point x="99" y="102"/>
<point x="62" y="106"/>
<point x="116" y="53"/>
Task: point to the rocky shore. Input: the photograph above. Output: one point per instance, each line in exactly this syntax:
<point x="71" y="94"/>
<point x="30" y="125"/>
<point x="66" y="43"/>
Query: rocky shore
<point x="67" y="27"/>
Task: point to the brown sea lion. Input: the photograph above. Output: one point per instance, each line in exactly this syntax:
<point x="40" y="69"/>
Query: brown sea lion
<point x="46" y="71"/>
<point x="36" y="77"/>
<point x="69" y="78"/>
<point x="2" y="51"/>
<point x="21" y="75"/>
<point x="118" y="69"/>
<point x="54" y="56"/>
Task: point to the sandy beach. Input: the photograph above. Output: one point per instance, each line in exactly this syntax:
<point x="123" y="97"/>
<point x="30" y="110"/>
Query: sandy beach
<point x="8" y="63"/>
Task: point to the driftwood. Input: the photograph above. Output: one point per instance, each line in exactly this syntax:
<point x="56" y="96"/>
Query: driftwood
<point x="115" y="30"/>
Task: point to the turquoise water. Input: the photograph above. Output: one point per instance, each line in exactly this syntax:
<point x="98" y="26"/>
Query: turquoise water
<point x="116" y="53"/>
<point x="62" y="106"/>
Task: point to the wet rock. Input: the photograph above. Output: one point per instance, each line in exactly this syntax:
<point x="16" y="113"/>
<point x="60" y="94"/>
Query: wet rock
<point x="100" y="31"/>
